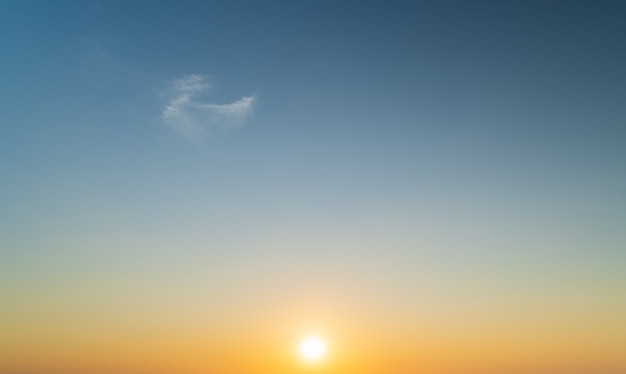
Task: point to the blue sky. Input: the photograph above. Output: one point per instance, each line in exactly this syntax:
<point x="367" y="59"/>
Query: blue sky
<point x="458" y="140"/>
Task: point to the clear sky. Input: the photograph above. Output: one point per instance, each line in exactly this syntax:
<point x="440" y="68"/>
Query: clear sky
<point x="193" y="186"/>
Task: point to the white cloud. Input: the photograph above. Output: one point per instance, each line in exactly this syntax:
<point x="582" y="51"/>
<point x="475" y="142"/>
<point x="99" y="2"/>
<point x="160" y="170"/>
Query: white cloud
<point x="190" y="117"/>
<point x="191" y="83"/>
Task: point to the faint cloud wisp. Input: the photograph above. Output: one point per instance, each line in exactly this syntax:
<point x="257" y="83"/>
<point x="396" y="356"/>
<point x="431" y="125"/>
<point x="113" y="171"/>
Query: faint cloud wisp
<point x="189" y="116"/>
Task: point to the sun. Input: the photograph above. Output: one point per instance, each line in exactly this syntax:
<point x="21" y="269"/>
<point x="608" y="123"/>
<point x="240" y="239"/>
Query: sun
<point x="313" y="348"/>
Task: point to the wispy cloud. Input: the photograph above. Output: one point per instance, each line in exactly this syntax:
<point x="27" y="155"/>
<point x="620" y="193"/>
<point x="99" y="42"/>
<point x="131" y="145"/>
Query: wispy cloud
<point x="189" y="116"/>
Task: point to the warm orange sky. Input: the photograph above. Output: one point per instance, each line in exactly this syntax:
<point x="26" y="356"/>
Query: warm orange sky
<point x="255" y="333"/>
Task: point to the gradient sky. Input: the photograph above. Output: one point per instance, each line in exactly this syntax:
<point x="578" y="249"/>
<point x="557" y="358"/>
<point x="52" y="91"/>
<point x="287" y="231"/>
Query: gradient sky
<point x="193" y="186"/>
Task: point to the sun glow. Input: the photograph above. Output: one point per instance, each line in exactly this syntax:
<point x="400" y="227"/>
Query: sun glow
<point x="313" y="348"/>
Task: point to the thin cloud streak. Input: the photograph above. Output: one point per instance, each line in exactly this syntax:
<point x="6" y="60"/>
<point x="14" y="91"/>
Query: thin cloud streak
<point x="191" y="117"/>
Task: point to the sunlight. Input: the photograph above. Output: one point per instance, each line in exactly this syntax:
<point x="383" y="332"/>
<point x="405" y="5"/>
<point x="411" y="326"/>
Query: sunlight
<point x="313" y="348"/>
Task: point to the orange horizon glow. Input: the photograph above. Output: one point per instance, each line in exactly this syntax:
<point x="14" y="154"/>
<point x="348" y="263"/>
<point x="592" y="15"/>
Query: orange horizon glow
<point x="357" y="347"/>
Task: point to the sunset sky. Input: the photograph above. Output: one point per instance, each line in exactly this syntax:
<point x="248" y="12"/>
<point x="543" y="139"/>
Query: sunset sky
<point x="430" y="187"/>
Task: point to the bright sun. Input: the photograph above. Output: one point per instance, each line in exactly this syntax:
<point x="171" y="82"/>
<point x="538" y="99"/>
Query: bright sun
<point x="313" y="348"/>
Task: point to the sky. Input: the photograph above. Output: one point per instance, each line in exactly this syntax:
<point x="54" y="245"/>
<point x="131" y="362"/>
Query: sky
<point x="433" y="187"/>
